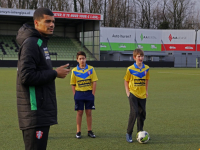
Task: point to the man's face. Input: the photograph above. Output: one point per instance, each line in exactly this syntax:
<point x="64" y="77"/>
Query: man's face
<point x="139" y="58"/>
<point x="46" y="25"/>
<point x="81" y="60"/>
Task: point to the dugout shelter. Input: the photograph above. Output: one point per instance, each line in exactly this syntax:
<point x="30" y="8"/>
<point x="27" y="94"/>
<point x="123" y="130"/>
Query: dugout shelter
<point x="73" y="32"/>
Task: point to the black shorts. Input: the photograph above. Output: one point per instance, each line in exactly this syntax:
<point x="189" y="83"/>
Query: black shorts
<point x="82" y="99"/>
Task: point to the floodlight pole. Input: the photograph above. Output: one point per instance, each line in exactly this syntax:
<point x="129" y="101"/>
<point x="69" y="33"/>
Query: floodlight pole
<point x="109" y="44"/>
<point x="136" y="43"/>
<point x="163" y="44"/>
<point x="196" y="30"/>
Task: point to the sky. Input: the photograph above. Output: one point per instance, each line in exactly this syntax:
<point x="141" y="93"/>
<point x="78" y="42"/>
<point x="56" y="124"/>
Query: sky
<point x="197" y="4"/>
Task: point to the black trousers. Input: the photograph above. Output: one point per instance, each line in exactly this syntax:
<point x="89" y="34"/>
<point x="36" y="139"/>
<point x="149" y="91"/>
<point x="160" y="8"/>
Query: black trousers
<point x="36" y="138"/>
<point x="137" y="111"/>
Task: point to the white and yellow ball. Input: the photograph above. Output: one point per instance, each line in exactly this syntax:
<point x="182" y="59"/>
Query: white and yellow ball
<point x="142" y="137"/>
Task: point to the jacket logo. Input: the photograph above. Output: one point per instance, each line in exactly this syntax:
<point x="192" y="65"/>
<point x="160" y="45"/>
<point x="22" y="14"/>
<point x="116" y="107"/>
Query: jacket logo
<point x="39" y="134"/>
<point x="46" y="53"/>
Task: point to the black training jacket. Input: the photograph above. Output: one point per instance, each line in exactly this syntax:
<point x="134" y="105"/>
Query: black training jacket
<point x="36" y="97"/>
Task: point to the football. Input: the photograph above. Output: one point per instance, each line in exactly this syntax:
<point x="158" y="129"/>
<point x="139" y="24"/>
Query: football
<point x="142" y="137"/>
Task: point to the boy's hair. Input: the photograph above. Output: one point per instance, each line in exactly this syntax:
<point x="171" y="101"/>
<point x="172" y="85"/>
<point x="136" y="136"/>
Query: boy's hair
<point x="80" y="53"/>
<point x="40" y="12"/>
<point x="138" y="51"/>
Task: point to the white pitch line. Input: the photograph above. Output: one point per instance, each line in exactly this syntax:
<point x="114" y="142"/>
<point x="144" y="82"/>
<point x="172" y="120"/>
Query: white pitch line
<point x="179" y="73"/>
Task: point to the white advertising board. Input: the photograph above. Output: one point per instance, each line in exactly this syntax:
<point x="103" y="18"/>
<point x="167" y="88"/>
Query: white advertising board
<point x="178" y="36"/>
<point x="117" y="35"/>
<point x="16" y="12"/>
<point x="148" y="36"/>
<point x="198" y="37"/>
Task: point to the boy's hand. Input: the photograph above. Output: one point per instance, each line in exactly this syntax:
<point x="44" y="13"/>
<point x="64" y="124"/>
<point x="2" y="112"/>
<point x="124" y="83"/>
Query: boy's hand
<point x="147" y="94"/>
<point x="62" y="71"/>
<point x="128" y="94"/>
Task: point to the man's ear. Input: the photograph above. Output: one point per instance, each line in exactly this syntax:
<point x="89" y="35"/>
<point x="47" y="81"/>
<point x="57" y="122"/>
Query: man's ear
<point x="35" y="23"/>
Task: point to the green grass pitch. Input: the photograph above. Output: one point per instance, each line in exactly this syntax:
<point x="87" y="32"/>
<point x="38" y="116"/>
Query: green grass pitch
<point x="173" y="114"/>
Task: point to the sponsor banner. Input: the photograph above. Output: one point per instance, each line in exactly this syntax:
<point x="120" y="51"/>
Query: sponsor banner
<point x="149" y="47"/>
<point x="16" y="12"/>
<point x="178" y="36"/>
<point x="128" y="46"/>
<point x="117" y="35"/>
<point x="116" y="46"/>
<point x="59" y="14"/>
<point x="179" y="47"/>
<point x="148" y="36"/>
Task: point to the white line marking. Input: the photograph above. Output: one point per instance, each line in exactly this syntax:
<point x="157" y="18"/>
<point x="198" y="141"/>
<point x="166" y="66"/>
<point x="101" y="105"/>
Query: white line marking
<point x="179" y="73"/>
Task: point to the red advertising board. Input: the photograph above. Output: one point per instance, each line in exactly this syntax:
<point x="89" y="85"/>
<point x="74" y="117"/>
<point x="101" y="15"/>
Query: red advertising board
<point x="179" y="47"/>
<point x="198" y="47"/>
<point x="58" y="14"/>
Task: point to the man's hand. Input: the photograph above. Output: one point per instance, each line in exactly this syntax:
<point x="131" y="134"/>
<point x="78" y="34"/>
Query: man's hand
<point x="62" y="71"/>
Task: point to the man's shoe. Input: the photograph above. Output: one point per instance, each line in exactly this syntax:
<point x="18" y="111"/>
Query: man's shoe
<point x="78" y="135"/>
<point x="91" y="134"/>
<point x="129" y="138"/>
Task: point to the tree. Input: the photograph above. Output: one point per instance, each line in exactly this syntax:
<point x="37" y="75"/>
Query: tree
<point x="178" y="12"/>
<point x="164" y="25"/>
<point x="75" y="6"/>
<point x="95" y="6"/>
<point x="145" y="7"/>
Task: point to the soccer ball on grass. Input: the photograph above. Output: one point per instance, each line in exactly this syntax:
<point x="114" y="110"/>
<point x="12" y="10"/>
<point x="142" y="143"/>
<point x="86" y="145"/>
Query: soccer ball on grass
<point x="142" y="137"/>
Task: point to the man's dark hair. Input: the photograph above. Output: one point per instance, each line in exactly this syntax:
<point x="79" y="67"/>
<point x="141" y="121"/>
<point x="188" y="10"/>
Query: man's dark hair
<point x="80" y="53"/>
<point x="40" y="12"/>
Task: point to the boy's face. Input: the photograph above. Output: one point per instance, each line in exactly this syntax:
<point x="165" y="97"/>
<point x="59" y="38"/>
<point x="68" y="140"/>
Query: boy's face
<point x="138" y="58"/>
<point x="81" y="60"/>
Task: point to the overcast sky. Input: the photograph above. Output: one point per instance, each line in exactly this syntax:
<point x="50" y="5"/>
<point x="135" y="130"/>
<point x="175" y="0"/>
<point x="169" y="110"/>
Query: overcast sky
<point x="197" y="4"/>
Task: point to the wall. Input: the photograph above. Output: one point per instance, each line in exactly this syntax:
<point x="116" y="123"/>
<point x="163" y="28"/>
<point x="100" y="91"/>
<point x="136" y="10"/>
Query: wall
<point x="13" y="63"/>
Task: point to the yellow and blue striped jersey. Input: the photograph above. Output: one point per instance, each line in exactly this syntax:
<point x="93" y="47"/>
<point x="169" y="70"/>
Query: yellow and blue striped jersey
<point x="137" y="79"/>
<point x="83" y="78"/>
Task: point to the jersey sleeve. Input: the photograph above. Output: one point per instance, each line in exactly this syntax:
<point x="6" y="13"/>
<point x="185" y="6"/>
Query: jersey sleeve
<point x="94" y="76"/>
<point x="73" y="78"/>
<point x="128" y="75"/>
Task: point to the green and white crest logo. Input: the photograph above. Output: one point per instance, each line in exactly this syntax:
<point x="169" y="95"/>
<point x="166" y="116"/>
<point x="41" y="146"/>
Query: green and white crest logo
<point x="147" y="37"/>
<point x="142" y="37"/>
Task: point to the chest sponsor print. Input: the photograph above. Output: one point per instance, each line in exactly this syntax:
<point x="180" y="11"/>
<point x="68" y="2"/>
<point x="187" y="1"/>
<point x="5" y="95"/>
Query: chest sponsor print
<point x="139" y="82"/>
<point x="84" y="83"/>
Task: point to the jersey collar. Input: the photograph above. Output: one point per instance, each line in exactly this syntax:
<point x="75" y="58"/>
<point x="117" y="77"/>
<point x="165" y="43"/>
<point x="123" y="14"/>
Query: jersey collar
<point x="78" y="68"/>
<point x="143" y="66"/>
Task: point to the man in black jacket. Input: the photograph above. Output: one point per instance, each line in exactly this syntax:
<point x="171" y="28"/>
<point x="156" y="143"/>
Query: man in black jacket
<point x="36" y="95"/>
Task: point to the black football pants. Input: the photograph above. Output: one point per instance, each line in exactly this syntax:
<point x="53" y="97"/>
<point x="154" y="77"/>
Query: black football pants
<point x="36" y="138"/>
<point x="137" y="111"/>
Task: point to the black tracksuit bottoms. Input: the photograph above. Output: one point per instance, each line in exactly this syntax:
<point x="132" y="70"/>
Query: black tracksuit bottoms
<point x="137" y="111"/>
<point x="36" y="138"/>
